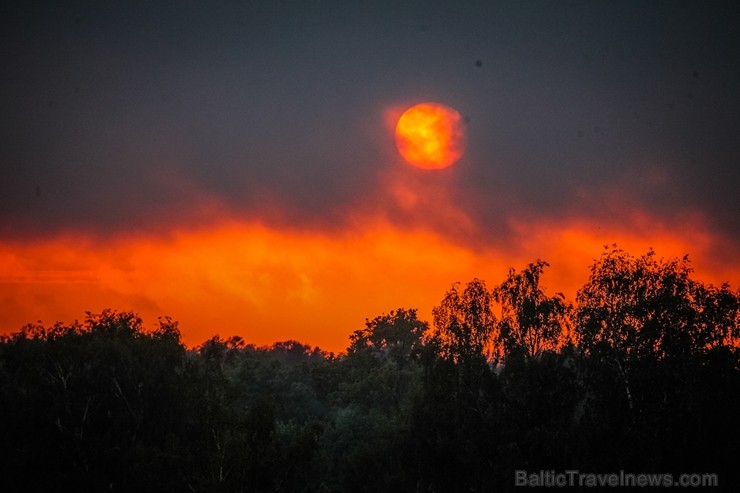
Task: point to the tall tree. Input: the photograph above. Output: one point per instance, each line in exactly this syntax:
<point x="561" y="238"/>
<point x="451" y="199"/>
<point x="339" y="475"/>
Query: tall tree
<point x="395" y="337"/>
<point x="464" y="322"/>
<point x="644" y="307"/>
<point x="639" y="309"/>
<point x="383" y="358"/>
<point x="531" y="321"/>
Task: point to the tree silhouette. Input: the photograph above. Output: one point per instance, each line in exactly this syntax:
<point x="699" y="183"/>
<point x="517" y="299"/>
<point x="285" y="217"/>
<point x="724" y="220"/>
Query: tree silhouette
<point x="392" y="342"/>
<point x="531" y="322"/>
<point x="464" y="322"/>
<point x="642" y="308"/>
<point x="395" y="337"/>
<point x="652" y="384"/>
<point x="650" y="333"/>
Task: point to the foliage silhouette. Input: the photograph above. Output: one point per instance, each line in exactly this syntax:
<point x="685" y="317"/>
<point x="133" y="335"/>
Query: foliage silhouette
<point x="648" y="381"/>
<point x="530" y="321"/>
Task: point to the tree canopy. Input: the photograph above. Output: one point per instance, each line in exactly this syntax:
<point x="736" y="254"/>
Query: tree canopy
<point x="641" y="373"/>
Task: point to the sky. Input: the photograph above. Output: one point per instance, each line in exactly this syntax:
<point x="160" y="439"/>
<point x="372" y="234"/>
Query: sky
<point x="232" y="164"/>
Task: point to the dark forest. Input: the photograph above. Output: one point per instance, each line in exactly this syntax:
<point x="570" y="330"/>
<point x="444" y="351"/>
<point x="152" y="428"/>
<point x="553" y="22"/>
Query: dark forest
<point x="640" y="373"/>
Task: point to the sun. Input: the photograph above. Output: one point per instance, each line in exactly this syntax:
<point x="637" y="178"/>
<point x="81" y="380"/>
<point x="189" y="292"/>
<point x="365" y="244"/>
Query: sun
<point x="431" y="135"/>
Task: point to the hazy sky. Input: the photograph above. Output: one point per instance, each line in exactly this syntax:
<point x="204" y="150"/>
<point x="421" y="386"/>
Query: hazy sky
<point x="126" y="124"/>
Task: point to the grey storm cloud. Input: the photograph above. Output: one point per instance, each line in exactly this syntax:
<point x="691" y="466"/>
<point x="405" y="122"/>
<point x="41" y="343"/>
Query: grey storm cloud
<point x="120" y="116"/>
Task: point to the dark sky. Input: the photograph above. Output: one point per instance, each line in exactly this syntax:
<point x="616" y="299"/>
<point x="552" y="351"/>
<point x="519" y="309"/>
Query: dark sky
<point x="124" y="116"/>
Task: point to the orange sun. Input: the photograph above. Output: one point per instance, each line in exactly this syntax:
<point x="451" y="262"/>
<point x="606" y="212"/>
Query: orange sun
<point x="430" y="136"/>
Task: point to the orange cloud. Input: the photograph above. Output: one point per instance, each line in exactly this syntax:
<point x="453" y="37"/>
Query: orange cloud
<point x="267" y="284"/>
<point x="572" y="245"/>
<point x="235" y="278"/>
<point x="401" y="247"/>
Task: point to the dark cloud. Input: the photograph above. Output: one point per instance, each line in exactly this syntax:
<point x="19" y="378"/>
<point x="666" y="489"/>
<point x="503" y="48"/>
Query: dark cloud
<point x="119" y="118"/>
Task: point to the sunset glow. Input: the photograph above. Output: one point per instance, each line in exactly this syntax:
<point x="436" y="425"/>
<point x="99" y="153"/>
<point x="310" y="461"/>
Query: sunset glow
<point x="286" y="171"/>
<point x="266" y="284"/>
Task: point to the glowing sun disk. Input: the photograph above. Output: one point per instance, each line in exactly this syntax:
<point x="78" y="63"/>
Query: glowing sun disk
<point x="430" y="135"/>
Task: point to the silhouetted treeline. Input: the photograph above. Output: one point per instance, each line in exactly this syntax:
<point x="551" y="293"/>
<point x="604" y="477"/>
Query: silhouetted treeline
<point x="640" y="374"/>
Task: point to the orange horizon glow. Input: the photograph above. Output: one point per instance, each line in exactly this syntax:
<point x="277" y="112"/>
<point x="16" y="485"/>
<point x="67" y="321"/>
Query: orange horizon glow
<point x="268" y="285"/>
<point x="401" y="246"/>
<point x="430" y="135"/>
